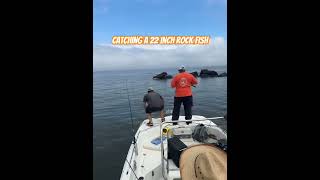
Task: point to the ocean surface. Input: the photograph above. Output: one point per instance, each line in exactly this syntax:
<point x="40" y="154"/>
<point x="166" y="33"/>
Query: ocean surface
<point x="111" y="113"/>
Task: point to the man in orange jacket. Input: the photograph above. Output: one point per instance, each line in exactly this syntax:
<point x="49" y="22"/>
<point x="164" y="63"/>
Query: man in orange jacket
<point x="183" y="82"/>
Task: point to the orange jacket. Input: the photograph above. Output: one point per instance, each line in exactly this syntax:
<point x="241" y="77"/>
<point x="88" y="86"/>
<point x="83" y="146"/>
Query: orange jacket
<point x="183" y="82"/>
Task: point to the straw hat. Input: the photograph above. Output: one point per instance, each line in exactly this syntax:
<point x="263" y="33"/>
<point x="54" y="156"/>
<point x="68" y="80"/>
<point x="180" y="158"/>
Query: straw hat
<point x="203" y="162"/>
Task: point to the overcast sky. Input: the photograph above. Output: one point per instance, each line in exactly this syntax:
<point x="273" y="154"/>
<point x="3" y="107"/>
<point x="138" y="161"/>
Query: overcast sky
<point x="110" y="57"/>
<point x="155" y="18"/>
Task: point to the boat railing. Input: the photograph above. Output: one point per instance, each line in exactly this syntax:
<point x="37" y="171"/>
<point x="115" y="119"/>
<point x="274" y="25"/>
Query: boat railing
<point x="167" y="123"/>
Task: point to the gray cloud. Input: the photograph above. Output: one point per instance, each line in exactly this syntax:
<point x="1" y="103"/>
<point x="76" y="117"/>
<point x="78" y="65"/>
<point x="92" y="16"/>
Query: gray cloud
<point x="109" y="57"/>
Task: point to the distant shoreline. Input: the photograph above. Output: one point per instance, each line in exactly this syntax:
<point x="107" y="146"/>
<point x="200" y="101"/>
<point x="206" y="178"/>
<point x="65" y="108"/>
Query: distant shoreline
<point x="162" y="69"/>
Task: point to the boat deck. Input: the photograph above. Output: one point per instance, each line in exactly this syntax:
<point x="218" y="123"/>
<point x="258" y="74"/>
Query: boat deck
<point x="147" y="162"/>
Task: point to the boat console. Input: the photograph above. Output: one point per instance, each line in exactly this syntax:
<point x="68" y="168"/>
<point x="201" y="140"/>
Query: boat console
<point x="180" y="137"/>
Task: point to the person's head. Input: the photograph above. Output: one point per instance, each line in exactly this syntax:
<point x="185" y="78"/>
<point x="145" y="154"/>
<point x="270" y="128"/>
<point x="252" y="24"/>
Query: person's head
<point x="182" y="69"/>
<point x="150" y="89"/>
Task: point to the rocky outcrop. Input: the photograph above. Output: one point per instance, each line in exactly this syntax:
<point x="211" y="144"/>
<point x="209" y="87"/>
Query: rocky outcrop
<point x="163" y="75"/>
<point x="206" y="73"/>
<point x="224" y="74"/>
<point x="168" y="76"/>
<point x="195" y="74"/>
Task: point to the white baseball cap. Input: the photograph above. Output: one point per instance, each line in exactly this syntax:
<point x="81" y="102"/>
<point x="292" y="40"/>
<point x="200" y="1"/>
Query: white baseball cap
<point x="182" y="67"/>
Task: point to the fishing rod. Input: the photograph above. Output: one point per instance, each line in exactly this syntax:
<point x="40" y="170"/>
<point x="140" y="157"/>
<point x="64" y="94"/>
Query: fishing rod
<point x="214" y="118"/>
<point x="134" y="139"/>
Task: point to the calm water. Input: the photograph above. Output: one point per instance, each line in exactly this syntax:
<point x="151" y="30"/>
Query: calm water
<point x="111" y="115"/>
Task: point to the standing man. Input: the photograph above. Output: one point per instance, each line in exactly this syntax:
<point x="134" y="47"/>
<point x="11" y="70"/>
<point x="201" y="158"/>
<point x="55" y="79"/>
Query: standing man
<point x="153" y="102"/>
<point x="183" y="82"/>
